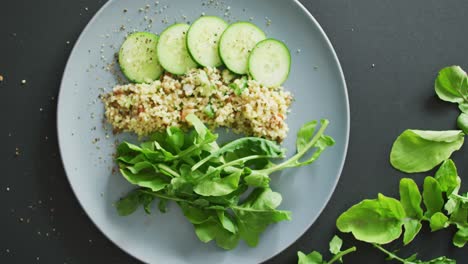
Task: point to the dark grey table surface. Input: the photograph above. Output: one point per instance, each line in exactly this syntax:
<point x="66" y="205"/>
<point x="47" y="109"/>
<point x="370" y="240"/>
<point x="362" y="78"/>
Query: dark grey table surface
<point x="390" y="50"/>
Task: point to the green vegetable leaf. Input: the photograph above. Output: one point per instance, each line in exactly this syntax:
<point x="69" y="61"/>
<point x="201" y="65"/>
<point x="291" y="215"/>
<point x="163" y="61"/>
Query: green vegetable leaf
<point x="209" y="111"/>
<point x="412" y="228"/>
<point x="130" y="203"/>
<point x="335" y="245"/>
<point x="144" y="177"/>
<point x="438" y="221"/>
<point x="461" y="237"/>
<point x="226" y="221"/>
<point x="212" y="230"/>
<point x="218" y="186"/>
<point x="410" y="198"/>
<point x="420" y="151"/>
<point x="463" y="108"/>
<point x="175" y="138"/>
<point x="257" y="212"/>
<point x="312" y="258"/>
<point x="447" y="176"/>
<point x="256" y="179"/>
<point x="432" y="196"/>
<point x="462" y="122"/>
<point x="452" y="85"/>
<point x="374" y="221"/>
<point x="305" y="134"/>
<point x="322" y="144"/>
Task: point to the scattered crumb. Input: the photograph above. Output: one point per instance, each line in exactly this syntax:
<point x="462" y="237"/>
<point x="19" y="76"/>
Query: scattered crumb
<point x="68" y="42"/>
<point x="7" y="189"/>
<point x="298" y="50"/>
<point x="373" y="65"/>
<point x="268" y="21"/>
<point x="23" y="82"/>
<point x="86" y="8"/>
<point x="1" y="78"/>
<point x="41" y="109"/>
<point x="17" y="151"/>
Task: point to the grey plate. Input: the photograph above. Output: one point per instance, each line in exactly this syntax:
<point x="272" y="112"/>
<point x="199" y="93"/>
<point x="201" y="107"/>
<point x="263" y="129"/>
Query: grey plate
<point x="87" y="145"/>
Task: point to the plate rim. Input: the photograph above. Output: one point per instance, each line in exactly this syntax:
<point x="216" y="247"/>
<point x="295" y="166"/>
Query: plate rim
<point x="342" y="80"/>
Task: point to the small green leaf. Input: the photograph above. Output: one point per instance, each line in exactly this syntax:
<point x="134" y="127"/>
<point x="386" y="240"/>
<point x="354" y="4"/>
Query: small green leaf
<point x="257" y="180"/>
<point x="432" y="196"/>
<point x="374" y="221"/>
<point x="410" y="198"/>
<point x="257" y="212"/>
<point x="129" y="204"/>
<point x="451" y="84"/>
<point x="175" y="138"/>
<point x="438" y="221"/>
<point x="226" y="222"/>
<point x="447" y="176"/>
<point x="162" y="205"/>
<point x="420" y="151"/>
<point x="463" y="108"/>
<point x="335" y="245"/>
<point x="209" y="111"/>
<point x="462" y="122"/>
<point x="218" y="186"/>
<point x="461" y="237"/>
<point x="305" y="134"/>
<point x="412" y="228"/>
<point x="312" y="258"/>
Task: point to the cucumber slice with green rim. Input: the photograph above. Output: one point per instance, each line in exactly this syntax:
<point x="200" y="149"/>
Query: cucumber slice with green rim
<point x="172" y="50"/>
<point x="203" y="40"/>
<point x="138" y="58"/>
<point x="236" y="43"/>
<point x="270" y="62"/>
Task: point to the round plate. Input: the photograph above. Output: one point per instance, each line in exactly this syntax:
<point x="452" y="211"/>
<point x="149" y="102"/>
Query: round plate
<point x="87" y="144"/>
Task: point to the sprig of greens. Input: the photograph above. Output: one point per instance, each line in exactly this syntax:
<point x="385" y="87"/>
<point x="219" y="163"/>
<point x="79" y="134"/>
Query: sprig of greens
<point x="335" y="249"/>
<point x="381" y="221"/>
<point x="413" y="258"/>
<point x="207" y="181"/>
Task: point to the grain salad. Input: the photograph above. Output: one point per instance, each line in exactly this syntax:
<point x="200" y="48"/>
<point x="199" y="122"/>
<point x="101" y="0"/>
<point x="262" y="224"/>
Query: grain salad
<point x="217" y="97"/>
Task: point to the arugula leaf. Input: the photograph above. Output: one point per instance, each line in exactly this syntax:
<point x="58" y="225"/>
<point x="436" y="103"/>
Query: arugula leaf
<point x="256" y="179"/>
<point x="305" y="134"/>
<point x="452" y="85"/>
<point x="420" y="151"/>
<point x="461" y="237"/>
<point x="312" y="258"/>
<point x="335" y="245"/>
<point x="438" y="221"/>
<point x="432" y="196"/>
<point x="218" y="186"/>
<point x="412" y="228"/>
<point x="410" y="198"/>
<point x="257" y="212"/>
<point x="144" y="178"/>
<point x="447" y="177"/>
<point x="130" y="203"/>
<point x="374" y="221"/>
<point x="462" y="122"/>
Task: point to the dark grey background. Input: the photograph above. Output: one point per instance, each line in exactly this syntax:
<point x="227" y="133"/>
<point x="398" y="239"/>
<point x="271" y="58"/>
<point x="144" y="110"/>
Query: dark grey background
<point x="390" y="50"/>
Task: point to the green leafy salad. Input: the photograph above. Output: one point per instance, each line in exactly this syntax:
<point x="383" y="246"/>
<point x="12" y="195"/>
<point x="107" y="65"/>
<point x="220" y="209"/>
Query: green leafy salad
<point x="441" y="204"/>
<point x="207" y="180"/>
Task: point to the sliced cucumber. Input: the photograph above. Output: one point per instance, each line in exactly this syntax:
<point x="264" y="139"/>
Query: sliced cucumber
<point x="172" y="50"/>
<point x="203" y="40"/>
<point x="236" y="43"/>
<point x="138" y="58"/>
<point x="270" y="62"/>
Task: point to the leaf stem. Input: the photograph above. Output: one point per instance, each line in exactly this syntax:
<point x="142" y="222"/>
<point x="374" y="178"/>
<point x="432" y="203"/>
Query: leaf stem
<point x="390" y="254"/>
<point x="341" y="254"/>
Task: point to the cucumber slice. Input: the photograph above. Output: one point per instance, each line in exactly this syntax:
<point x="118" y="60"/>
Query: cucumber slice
<point x="270" y="62"/>
<point x="138" y="58"/>
<point x="203" y="40"/>
<point x="236" y="43"/>
<point x="172" y="50"/>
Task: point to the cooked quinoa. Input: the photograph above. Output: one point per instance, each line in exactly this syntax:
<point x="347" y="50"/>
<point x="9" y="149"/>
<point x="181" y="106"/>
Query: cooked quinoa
<point x="216" y="97"/>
